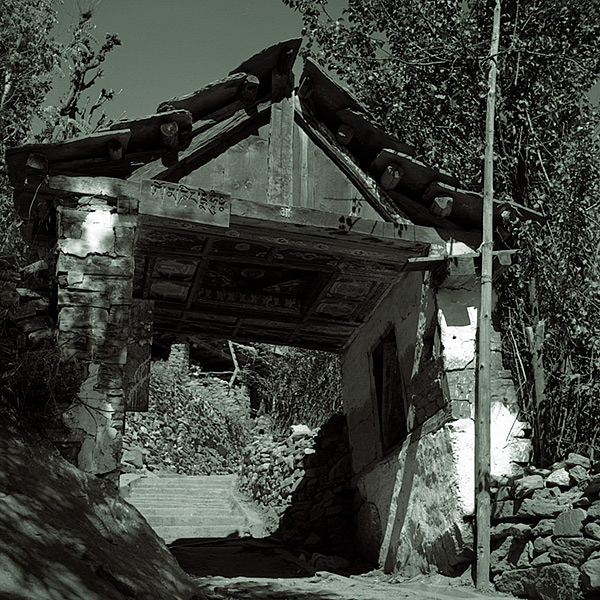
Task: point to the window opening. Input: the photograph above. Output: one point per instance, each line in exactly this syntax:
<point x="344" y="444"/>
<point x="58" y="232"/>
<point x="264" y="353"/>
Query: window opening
<point x="389" y="390"/>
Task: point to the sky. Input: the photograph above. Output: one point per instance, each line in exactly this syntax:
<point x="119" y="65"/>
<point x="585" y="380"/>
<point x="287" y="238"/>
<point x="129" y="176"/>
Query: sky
<point x="173" y="47"/>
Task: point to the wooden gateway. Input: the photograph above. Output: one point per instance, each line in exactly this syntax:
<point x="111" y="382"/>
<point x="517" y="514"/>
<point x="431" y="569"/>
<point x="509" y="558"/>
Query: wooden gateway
<point x="253" y="211"/>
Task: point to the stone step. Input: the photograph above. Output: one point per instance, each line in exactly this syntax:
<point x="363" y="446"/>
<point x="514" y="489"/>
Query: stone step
<point x="163" y="494"/>
<point x="201" y="491"/>
<point x="160" y="511"/>
<point x="225" y="521"/>
<point x="190" y="481"/>
<point x="152" y="500"/>
<point x="172" y="533"/>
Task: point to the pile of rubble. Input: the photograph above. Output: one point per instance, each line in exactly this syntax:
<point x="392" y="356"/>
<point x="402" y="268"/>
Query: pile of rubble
<point x="184" y="431"/>
<point x="273" y="466"/>
<point x="546" y="532"/>
<point x="306" y="479"/>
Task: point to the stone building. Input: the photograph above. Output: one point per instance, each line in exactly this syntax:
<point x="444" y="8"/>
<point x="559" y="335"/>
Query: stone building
<point x="252" y="210"/>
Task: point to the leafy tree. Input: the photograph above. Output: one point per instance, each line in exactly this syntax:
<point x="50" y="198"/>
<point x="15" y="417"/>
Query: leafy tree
<point x="28" y="56"/>
<point x="30" y="60"/>
<point x="419" y="67"/>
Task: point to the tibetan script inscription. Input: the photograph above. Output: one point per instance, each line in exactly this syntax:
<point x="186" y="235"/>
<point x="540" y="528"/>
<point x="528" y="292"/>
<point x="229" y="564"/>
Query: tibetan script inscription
<point x="177" y="201"/>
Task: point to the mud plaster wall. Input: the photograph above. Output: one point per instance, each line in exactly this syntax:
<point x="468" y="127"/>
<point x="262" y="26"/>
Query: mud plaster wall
<point x="417" y="495"/>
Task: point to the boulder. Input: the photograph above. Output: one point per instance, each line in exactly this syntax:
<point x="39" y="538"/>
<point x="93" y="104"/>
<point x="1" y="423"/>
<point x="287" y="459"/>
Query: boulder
<point x="575" y="459"/>
<point x="559" y="477"/>
<point x="550" y="582"/>
<point x="579" y="475"/>
<point x="592" y="530"/>
<point x="594" y="510"/>
<point x="542" y="560"/>
<point x="539" y="508"/>
<point x="525" y="486"/>
<point x="134" y="456"/>
<point x="502" y="530"/>
<point x="544" y="527"/>
<point x="570" y="523"/>
<point x="590" y="575"/>
<point x="574" y="551"/>
<point x="542" y="544"/>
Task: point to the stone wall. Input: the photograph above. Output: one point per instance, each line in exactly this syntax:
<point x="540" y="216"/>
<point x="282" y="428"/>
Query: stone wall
<point x="418" y="493"/>
<point x="320" y="517"/>
<point x="546" y="531"/>
<point x="95" y="270"/>
<point x="305" y="480"/>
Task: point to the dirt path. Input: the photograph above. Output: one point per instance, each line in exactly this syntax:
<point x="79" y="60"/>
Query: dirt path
<point x="246" y="568"/>
<point x="328" y="586"/>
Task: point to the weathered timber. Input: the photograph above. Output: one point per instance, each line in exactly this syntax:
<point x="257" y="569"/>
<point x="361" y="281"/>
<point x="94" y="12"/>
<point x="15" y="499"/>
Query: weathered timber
<point x="372" y="138"/>
<point x="146" y="131"/>
<point x="115" y="150"/>
<point x="106" y="167"/>
<point x="417" y="176"/>
<point x="419" y="214"/>
<point x="323" y="138"/>
<point x="441" y="206"/>
<point x="207" y="144"/>
<point x="390" y="177"/>
<point x="108" y="187"/>
<point x="36" y="165"/>
<point x="467" y="207"/>
<point x="344" y="134"/>
<point x="90" y="146"/>
<point x="280" y="164"/>
<point x="332" y="96"/>
<point x="248" y="90"/>
<point x="136" y="373"/>
<point x="176" y="201"/>
<point x="209" y="98"/>
<point x="261" y="65"/>
<point x="169" y="134"/>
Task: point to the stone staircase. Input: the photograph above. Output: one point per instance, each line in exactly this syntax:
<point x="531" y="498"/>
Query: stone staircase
<point x="179" y="506"/>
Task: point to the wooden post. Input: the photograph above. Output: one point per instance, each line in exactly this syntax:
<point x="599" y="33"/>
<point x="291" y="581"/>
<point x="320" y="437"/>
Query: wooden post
<point x="483" y="397"/>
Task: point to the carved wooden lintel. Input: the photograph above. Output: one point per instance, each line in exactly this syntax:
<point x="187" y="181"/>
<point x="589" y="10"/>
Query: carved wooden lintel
<point x="344" y="134"/>
<point x="115" y="149"/>
<point x="248" y="90"/>
<point x="441" y="206"/>
<point x="390" y="177"/>
<point x="169" y="134"/>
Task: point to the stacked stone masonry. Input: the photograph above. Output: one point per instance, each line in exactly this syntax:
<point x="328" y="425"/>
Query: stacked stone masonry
<point x="306" y="480"/>
<point x="95" y="271"/>
<point x="546" y="531"/>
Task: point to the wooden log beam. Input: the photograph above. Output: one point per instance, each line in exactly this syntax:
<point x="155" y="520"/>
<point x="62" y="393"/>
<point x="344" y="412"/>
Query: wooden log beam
<point x="248" y="90"/>
<point x="208" y="143"/>
<point x="344" y="134"/>
<point x="115" y="150"/>
<point x="377" y="197"/>
<point x="169" y="134"/>
<point x="421" y="215"/>
<point x="390" y="177"/>
<point x="441" y="206"/>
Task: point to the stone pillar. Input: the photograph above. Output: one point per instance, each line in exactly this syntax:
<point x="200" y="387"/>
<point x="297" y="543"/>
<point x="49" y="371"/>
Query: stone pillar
<point x="179" y="358"/>
<point x="95" y="270"/>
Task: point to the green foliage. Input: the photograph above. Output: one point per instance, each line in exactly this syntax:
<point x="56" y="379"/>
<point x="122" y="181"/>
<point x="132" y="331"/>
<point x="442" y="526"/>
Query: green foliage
<point x="298" y="386"/>
<point x="420" y="68"/>
<point x="28" y="57"/>
<point x="189" y="428"/>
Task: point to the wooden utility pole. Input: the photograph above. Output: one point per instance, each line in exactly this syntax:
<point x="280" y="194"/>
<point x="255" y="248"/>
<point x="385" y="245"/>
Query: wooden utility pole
<point x="483" y="398"/>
